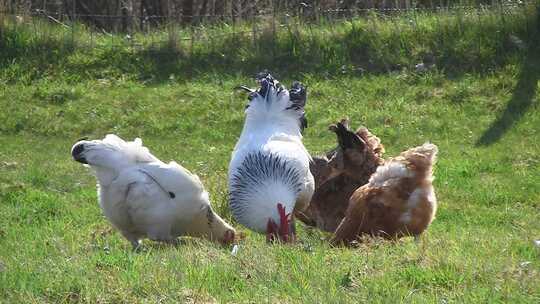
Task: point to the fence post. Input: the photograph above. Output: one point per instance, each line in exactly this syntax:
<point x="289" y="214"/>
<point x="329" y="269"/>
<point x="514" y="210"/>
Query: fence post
<point x="192" y="41"/>
<point x="2" y="8"/>
<point x="479" y="33"/>
<point x="170" y="28"/>
<point x="501" y="12"/>
<point x="74" y="5"/>
<point x="233" y="16"/>
<point x="254" y="29"/>
<point x="274" y="36"/>
<point x="127" y="16"/>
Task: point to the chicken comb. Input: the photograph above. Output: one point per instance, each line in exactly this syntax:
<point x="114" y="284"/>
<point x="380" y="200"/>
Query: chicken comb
<point x="284" y="221"/>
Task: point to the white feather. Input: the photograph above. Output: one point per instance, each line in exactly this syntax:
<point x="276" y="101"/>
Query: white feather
<point x="144" y="197"/>
<point x="389" y="173"/>
<point x="416" y="196"/>
<point x="273" y="130"/>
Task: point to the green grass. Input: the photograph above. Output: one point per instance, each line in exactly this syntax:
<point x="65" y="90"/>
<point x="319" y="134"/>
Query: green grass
<point x="55" y="245"/>
<point x="456" y="41"/>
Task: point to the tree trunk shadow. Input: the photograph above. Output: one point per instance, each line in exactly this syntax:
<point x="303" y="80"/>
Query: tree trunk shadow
<point x="521" y="100"/>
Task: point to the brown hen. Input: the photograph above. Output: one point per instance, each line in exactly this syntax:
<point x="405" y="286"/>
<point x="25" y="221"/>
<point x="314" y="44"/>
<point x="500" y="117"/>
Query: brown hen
<point x="339" y="173"/>
<point x="398" y="200"/>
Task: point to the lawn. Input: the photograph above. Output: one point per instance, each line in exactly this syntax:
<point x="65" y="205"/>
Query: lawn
<point x="56" y="246"/>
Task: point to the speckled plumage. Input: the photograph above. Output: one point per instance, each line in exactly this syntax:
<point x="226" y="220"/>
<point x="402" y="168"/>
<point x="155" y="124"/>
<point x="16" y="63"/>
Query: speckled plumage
<point x="270" y="165"/>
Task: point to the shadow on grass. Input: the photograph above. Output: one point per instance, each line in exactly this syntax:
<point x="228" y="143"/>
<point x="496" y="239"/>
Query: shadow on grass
<point x="31" y="56"/>
<point x="521" y="100"/>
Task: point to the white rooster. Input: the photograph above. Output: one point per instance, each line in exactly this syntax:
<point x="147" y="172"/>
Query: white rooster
<point x="269" y="175"/>
<point x="146" y="198"/>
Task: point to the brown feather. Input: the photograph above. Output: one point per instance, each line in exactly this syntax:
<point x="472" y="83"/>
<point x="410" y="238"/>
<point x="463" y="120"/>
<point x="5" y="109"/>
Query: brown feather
<point x="339" y="173"/>
<point x="399" y="207"/>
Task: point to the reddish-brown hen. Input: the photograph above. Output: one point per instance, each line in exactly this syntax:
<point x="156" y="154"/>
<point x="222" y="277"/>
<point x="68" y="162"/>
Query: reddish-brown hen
<point x="339" y="173"/>
<point x="398" y="200"/>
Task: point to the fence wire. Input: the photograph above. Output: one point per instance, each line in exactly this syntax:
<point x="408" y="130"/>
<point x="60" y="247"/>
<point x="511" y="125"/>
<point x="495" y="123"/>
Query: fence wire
<point x="170" y="32"/>
<point x="345" y="12"/>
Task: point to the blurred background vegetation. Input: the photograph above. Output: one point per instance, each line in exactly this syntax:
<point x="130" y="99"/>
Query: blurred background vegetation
<point x="153" y="41"/>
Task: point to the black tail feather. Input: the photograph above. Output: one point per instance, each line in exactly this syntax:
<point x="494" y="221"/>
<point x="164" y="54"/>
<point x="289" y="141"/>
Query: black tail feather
<point x="346" y="138"/>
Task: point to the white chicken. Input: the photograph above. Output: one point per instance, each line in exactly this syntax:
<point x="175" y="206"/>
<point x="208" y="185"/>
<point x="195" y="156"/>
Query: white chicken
<point x="146" y="198"/>
<point x="269" y="173"/>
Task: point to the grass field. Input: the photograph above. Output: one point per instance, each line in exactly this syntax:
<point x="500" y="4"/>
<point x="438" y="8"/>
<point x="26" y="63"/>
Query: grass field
<point x="55" y="245"/>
